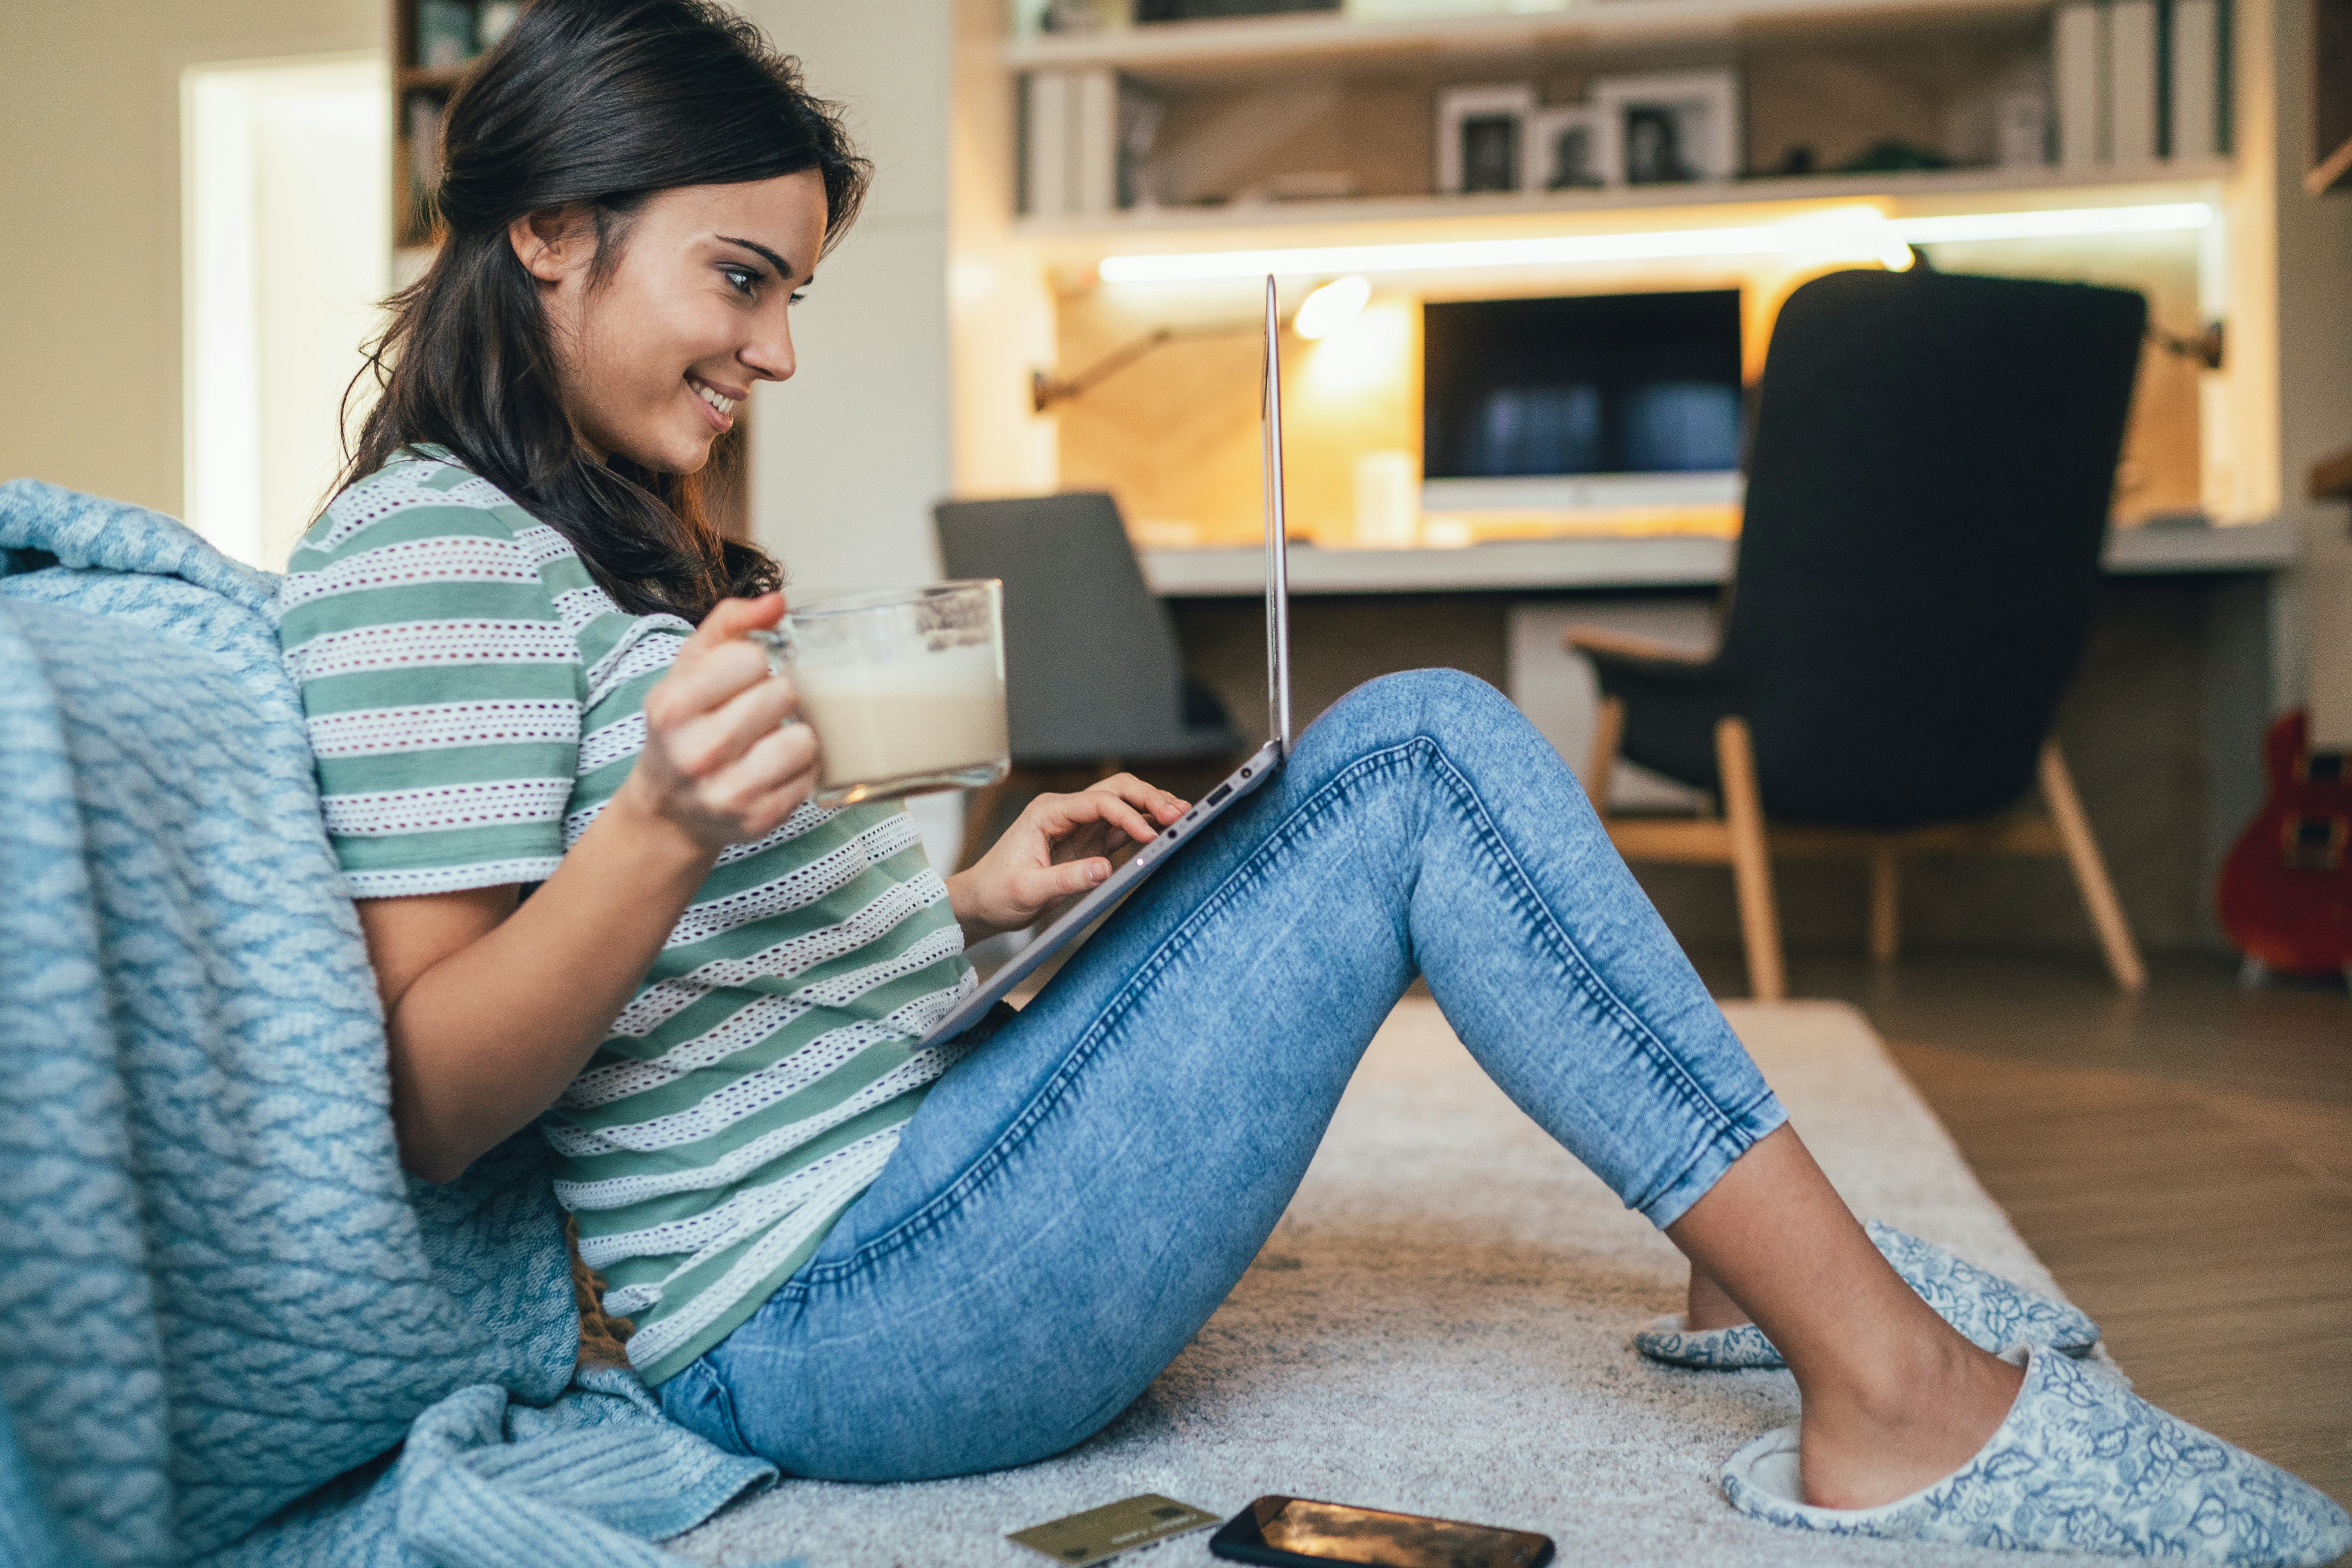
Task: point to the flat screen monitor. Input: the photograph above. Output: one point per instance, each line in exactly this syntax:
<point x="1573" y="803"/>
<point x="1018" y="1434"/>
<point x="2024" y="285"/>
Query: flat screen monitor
<point x="1581" y="401"/>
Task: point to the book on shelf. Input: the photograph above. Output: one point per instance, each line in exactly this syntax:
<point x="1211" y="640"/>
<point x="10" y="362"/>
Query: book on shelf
<point x="2140" y="81"/>
<point x="2131" y="82"/>
<point x="2193" y="42"/>
<point x="2079" y="40"/>
<point x="445" y="33"/>
<point x="1070" y="142"/>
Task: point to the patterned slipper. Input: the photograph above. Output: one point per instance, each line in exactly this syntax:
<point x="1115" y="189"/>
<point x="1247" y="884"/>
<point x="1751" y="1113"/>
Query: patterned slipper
<point x="2082" y="1464"/>
<point x="1988" y="1311"/>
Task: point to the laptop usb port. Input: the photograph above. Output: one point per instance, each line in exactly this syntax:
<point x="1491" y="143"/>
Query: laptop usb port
<point x="1218" y="794"/>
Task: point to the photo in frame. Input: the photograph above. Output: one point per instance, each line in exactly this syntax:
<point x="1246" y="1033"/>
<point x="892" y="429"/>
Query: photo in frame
<point x="1571" y="147"/>
<point x="1672" y="127"/>
<point x="1481" y="137"/>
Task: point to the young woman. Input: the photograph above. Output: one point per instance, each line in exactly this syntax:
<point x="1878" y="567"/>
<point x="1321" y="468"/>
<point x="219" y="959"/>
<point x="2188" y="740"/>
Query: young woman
<point x="519" y="643"/>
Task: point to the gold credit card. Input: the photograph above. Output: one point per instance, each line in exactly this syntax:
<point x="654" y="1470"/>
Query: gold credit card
<point x="1103" y="1532"/>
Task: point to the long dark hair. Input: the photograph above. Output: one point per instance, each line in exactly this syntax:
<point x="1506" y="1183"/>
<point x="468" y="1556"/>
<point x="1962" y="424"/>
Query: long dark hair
<point x="596" y="104"/>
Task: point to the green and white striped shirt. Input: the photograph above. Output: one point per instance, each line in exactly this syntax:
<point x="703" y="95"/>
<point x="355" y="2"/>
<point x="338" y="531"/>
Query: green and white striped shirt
<point x="474" y="699"/>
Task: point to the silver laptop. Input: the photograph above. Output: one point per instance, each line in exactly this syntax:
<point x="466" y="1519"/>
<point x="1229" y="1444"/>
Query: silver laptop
<point x="1260" y="767"/>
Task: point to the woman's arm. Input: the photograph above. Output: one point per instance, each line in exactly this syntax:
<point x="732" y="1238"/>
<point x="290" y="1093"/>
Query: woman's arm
<point x="492" y="1009"/>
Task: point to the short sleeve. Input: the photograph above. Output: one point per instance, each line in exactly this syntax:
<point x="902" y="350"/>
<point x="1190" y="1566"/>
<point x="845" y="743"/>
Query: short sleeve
<point x="442" y="689"/>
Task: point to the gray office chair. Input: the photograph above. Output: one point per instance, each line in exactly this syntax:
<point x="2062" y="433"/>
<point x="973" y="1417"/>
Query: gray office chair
<point x="1093" y="676"/>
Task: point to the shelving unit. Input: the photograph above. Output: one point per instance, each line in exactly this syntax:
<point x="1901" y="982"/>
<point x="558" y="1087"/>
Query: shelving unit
<point x="1940" y="189"/>
<point x="1240" y="107"/>
<point x="1285" y="44"/>
<point x="414" y="84"/>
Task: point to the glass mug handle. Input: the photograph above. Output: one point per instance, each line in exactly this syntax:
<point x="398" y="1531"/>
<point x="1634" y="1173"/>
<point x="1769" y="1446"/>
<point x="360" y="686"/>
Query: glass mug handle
<point x="777" y="644"/>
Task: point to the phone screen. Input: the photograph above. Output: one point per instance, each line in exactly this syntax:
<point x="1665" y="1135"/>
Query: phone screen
<point x="1338" y="1534"/>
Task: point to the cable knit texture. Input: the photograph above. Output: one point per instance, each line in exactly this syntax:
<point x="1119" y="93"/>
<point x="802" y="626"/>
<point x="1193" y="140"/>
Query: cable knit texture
<point x="221" y="1293"/>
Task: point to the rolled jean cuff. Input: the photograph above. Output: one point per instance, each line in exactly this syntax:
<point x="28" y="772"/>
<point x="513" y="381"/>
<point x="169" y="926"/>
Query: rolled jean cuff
<point x="1740" y="1133"/>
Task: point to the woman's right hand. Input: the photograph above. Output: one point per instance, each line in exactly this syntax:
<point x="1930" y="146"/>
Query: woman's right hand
<point x="721" y="762"/>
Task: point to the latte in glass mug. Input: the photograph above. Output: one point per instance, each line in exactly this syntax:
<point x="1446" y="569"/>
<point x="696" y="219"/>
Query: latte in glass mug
<point x="905" y="688"/>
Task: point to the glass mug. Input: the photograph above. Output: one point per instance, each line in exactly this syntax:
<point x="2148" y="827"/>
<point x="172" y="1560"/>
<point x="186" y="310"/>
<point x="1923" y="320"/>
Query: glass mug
<point x="905" y="688"/>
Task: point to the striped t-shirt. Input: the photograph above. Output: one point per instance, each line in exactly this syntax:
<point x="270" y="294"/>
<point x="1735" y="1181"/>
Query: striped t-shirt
<point x="474" y="699"/>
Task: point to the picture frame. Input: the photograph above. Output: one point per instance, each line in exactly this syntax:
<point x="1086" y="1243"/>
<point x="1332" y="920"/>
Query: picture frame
<point x="1673" y="127"/>
<point x="1481" y="137"/>
<point x="1572" y="147"/>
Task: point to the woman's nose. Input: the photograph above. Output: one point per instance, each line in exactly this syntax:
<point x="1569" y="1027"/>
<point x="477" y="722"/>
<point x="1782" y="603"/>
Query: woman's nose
<point x="770" y="355"/>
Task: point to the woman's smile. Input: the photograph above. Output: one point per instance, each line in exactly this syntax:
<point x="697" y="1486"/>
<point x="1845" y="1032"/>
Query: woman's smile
<point x="718" y="405"/>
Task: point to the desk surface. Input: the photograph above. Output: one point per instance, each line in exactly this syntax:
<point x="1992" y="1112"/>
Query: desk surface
<point x="1653" y="561"/>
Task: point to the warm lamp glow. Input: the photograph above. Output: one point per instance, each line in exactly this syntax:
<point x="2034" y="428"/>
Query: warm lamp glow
<point x="1897" y="256"/>
<point x="1371" y="350"/>
<point x="1851" y="234"/>
<point x="1331" y="307"/>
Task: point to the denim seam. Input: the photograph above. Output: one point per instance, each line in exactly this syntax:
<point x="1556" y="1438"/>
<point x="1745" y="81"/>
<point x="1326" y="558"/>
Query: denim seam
<point x="1566" y="952"/>
<point x="722" y="1396"/>
<point x="1306" y="815"/>
<point x="1734" y="1138"/>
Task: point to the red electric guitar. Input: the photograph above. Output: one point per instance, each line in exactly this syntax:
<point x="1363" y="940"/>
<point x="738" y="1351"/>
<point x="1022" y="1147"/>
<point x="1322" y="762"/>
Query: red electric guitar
<point x="2286" y="889"/>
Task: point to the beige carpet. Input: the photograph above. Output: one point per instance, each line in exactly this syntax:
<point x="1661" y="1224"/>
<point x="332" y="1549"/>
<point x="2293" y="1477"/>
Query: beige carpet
<point x="1439" y="1325"/>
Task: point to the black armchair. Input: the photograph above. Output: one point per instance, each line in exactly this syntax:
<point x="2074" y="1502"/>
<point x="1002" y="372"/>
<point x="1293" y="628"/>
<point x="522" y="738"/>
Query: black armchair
<point x="1927" y="495"/>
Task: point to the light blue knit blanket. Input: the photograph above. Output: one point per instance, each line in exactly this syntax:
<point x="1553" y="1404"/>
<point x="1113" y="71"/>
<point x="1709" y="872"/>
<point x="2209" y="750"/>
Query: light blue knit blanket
<point x="232" y="1331"/>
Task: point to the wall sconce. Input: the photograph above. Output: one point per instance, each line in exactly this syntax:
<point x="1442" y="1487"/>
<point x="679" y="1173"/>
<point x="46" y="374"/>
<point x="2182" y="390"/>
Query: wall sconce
<point x="1331" y="307"/>
<point x="1322" y="313"/>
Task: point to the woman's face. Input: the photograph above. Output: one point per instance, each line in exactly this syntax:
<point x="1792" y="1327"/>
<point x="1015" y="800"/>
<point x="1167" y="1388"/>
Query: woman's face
<point x="656" y="355"/>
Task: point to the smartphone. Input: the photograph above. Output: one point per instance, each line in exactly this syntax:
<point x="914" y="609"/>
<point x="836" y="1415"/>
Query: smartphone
<point x="1298" y="1533"/>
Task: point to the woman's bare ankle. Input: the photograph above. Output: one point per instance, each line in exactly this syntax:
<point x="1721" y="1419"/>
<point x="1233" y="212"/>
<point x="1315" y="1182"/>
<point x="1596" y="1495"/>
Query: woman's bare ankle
<point x="1904" y="1425"/>
<point x="1708" y="1306"/>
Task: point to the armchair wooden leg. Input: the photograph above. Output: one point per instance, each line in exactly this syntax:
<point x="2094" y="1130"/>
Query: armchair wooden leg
<point x="2090" y="869"/>
<point x="1751" y="863"/>
<point x="1608" y="737"/>
<point x="1885" y="903"/>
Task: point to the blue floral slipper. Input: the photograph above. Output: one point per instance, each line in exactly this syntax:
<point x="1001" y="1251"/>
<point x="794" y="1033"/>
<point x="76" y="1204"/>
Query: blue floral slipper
<point x="1985" y="1307"/>
<point x="2082" y="1464"/>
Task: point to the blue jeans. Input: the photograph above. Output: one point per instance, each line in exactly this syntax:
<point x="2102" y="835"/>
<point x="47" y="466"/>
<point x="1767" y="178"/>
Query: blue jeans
<point x="1079" y="1194"/>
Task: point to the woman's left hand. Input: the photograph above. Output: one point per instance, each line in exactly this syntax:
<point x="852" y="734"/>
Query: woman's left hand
<point x="1060" y="847"/>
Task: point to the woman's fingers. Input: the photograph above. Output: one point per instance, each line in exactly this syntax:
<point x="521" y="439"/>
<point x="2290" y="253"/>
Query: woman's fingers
<point x="730" y="618"/>
<point x="702" y="745"/>
<point x="1034" y="887"/>
<point x="1068" y="814"/>
<point x="1145" y="797"/>
<point x="779" y="761"/>
<point x="715" y="662"/>
<point x="697" y="685"/>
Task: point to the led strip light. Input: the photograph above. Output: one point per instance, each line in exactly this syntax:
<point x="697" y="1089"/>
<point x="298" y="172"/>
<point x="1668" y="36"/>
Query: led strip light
<point x="1858" y="233"/>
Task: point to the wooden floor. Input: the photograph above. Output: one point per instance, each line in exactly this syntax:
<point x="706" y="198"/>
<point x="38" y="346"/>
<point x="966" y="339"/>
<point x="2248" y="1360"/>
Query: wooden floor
<point x="2182" y="1161"/>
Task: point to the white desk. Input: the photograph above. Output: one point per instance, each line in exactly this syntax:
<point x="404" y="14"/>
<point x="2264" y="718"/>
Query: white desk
<point x="1655" y="561"/>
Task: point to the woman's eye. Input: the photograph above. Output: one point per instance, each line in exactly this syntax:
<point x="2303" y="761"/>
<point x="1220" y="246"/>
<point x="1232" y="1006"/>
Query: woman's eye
<point x="743" y="279"/>
<point x="799" y="295"/>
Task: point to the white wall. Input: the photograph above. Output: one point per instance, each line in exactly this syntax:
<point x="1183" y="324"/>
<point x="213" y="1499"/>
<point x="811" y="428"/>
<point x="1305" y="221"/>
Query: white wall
<point x="848" y="455"/>
<point x="287" y="199"/>
<point x="90" y="221"/>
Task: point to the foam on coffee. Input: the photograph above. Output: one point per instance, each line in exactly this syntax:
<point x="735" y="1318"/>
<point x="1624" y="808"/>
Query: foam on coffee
<point x="922" y="712"/>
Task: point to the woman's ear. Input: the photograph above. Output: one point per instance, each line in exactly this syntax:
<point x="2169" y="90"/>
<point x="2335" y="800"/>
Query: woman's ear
<point x="553" y="244"/>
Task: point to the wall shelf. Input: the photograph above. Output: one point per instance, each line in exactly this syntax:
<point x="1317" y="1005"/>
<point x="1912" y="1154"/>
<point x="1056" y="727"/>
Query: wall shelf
<point x="1949" y="190"/>
<point x="1283" y="44"/>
